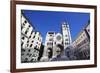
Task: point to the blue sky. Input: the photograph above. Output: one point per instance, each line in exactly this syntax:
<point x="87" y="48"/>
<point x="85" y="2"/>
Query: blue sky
<point x="45" y="21"/>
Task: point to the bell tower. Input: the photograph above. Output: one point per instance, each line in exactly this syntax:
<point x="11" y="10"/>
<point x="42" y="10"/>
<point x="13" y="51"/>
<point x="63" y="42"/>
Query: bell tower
<point x="66" y="35"/>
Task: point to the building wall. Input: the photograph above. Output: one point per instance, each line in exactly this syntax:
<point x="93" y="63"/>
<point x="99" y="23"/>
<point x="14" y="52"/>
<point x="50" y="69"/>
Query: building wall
<point x="23" y="41"/>
<point x="30" y="42"/>
<point x="49" y="42"/>
<point x="81" y="44"/>
<point x="26" y="27"/>
<point x="88" y="29"/>
<point x="81" y="37"/>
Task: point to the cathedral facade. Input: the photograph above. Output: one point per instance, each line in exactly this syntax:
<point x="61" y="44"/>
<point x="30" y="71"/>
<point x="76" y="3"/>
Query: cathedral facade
<point x="57" y="38"/>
